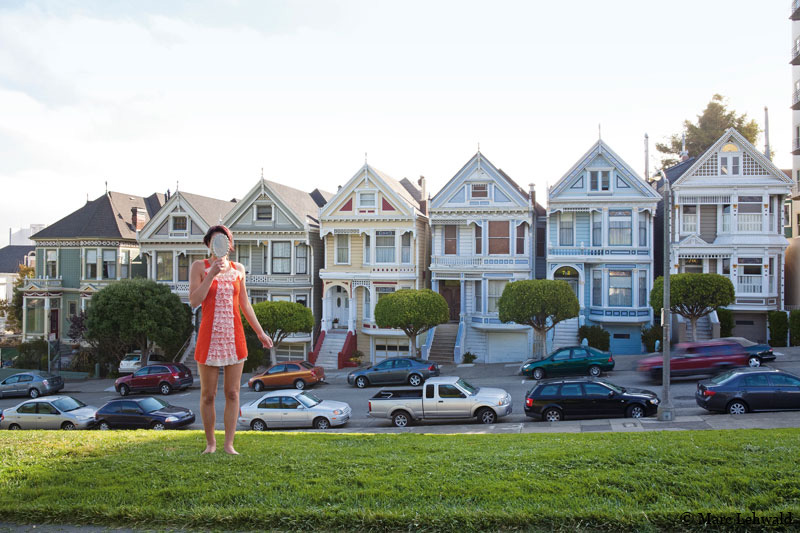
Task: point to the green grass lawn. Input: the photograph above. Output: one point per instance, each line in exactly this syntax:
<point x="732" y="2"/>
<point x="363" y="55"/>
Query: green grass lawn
<point x="409" y="482"/>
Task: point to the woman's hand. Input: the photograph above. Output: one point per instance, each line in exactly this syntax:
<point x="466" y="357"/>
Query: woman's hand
<point x="266" y="342"/>
<point x="216" y="267"/>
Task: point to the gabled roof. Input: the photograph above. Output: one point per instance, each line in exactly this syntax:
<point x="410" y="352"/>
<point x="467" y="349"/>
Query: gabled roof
<point x="211" y="209"/>
<point x="676" y="171"/>
<point x="482" y="161"/>
<point x="406" y="190"/>
<point x="303" y="204"/>
<point x="11" y="257"/>
<point x="108" y="217"/>
<point x="601" y="148"/>
<point x="403" y="190"/>
<point x="751" y="150"/>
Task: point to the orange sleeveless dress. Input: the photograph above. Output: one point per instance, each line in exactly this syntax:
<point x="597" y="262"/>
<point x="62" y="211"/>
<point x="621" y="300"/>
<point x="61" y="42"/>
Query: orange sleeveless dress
<point x="220" y="340"/>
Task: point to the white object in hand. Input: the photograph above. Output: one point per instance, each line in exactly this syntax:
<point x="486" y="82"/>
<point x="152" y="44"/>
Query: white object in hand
<point x="220" y="245"/>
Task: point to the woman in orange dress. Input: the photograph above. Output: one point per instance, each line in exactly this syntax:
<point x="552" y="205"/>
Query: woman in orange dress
<point x="218" y="284"/>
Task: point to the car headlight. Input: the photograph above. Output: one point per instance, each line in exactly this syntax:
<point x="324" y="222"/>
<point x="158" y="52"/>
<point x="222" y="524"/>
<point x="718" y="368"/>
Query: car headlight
<point x="171" y="419"/>
<point x="337" y="411"/>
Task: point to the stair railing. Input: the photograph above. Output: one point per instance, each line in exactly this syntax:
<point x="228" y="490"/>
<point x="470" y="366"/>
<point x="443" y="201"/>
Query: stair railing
<point x="348" y="348"/>
<point x="458" y="349"/>
<point x="425" y="350"/>
<point x="313" y="354"/>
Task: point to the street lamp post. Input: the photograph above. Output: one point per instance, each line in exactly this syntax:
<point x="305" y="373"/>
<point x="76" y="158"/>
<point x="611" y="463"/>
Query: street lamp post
<point x="665" y="409"/>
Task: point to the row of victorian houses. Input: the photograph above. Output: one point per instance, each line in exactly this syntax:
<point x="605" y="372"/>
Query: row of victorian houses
<point x="339" y="253"/>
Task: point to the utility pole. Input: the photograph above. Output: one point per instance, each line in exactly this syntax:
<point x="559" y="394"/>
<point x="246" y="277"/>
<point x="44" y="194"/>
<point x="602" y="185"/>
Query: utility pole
<point x="665" y="409"/>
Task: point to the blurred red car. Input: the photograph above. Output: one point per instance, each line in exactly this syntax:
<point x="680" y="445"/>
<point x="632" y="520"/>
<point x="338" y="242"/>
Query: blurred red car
<point x="161" y="377"/>
<point x="694" y="358"/>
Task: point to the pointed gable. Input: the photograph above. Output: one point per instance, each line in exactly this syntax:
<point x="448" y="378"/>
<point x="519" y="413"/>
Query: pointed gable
<point x="370" y="193"/>
<point x="273" y="205"/>
<point x="480" y="183"/>
<point x="186" y="214"/>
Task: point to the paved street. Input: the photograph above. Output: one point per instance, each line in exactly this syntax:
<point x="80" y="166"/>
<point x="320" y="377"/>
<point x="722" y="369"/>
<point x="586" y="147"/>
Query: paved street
<point x="689" y="416"/>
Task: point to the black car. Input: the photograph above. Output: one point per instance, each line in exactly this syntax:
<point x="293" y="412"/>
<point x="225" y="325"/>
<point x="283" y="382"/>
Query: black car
<point x="148" y="412"/>
<point x="742" y="390"/>
<point x="555" y="399"/>
<point x="394" y="370"/>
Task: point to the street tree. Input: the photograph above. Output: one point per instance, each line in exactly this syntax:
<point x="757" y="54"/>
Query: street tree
<point x="693" y="296"/>
<point x="281" y="319"/>
<point x="412" y="311"/>
<point x="710" y="125"/>
<point x="14" y="308"/>
<point x="539" y="303"/>
<point x="141" y="313"/>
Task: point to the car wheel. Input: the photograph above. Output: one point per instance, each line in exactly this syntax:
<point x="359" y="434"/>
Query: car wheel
<point x="361" y="382"/>
<point x="68" y="426"/>
<point x="124" y="390"/>
<point x="299" y="384"/>
<point x="258" y="386"/>
<point x="635" y="411"/>
<point x="754" y="361"/>
<point x="165" y="389"/>
<point x="258" y="425"/>
<point x="104" y="426"/>
<point x="415" y="380"/>
<point x="487" y="416"/>
<point x="737" y="407"/>
<point x="401" y="419"/>
<point x="14" y="427"/>
<point x="553" y="415"/>
<point x="157" y="426"/>
<point x="538" y="373"/>
<point x="322" y="423"/>
<point x="594" y="371"/>
<point x="34" y="393"/>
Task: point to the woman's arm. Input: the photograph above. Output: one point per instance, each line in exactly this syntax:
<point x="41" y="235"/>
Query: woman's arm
<point x="249" y="314"/>
<point x="198" y="286"/>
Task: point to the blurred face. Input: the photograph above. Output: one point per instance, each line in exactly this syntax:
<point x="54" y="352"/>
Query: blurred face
<point x="219" y="245"/>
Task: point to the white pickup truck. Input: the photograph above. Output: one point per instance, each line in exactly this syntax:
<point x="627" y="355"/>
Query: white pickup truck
<point x="441" y="398"/>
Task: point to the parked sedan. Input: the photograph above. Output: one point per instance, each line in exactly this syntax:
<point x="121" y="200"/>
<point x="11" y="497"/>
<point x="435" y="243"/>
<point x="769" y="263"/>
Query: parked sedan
<point x="395" y="370"/>
<point x="297" y="374"/>
<point x="758" y="353"/>
<point x="696" y="358"/>
<point x="749" y="389"/>
<point x="162" y="377"/>
<point x="146" y="412"/>
<point x="570" y="360"/>
<point x="293" y="408"/>
<point x="55" y="412"/>
<point x="32" y="383"/>
<point x="555" y="399"/>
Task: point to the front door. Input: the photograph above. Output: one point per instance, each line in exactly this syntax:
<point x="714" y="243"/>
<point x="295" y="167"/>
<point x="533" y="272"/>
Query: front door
<point x="451" y="292"/>
<point x="341" y="308"/>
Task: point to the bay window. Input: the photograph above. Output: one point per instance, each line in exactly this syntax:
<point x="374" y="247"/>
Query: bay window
<point x="597" y="288"/>
<point x="597" y="229"/>
<point x="620" y="288"/>
<point x="749" y="217"/>
<point x="619" y="227"/>
<point x="498" y="237"/>
<point x="90" y="272"/>
<point x="566" y="226"/>
<point x="478" y="240"/>
<point x="642" y="229"/>
<point x="51" y="264"/>
<point x="243" y="255"/>
<point x="450" y="240"/>
<point x="164" y="266"/>
<point x="109" y="264"/>
<point x="384" y="247"/>
<point x="642" y="288"/>
<point x="405" y="247"/>
<point x="125" y="264"/>
<point x="281" y="257"/>
<point x="689" y="219"/>
<point x="183" y="267"/>
<point x="367" y="250"/>
<point x="521" y="233"/>
<point x="301" y="259"/>
<point x="495" y="292"/>
<point x="342" y="249"/>
<point x="478" y="297"/>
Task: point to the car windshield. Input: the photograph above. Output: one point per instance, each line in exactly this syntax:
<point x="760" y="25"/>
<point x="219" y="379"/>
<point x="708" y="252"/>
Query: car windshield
<point x="307" y="365"/>
<point x="131" y="358"/>
<point x="722" y="377"/>
<point x="467" y="387"/>
<point x="68" y="404"/>
<point x="741" y="340"/>
<point x="309" y="399"/>
<point x="615" y="388"/>
<point x="149" y="405"/>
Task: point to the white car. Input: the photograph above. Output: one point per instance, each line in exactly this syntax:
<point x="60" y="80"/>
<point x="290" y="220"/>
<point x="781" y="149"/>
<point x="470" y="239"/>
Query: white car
<point x="131" y="363"/>
<point x="52" y="412"/>
<point x="293" y="409"/>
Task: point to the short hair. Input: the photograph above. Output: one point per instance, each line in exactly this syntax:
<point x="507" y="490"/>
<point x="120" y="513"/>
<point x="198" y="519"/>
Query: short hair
<point x="218" y="229"/>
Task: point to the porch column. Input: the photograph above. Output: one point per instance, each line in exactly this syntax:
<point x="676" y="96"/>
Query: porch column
<point x="24" y="316"/>
<point x="268" y="261"/>
<point x="351" y="315"/>
<point x="463" y="299"/>
<point x="47" y="317"/>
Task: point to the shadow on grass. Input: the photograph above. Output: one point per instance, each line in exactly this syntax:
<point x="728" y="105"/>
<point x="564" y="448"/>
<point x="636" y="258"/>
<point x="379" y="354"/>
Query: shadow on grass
<point x="296" y="481"/>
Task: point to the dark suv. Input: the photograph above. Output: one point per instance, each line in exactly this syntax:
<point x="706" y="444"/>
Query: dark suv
<point x="554" y="399"/>
<point x="161" y="377"/>
<point x="693" y="358"/>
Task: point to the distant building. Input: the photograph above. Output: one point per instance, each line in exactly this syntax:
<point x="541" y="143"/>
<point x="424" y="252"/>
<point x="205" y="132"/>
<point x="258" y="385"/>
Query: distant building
<point x="21" y="237"/>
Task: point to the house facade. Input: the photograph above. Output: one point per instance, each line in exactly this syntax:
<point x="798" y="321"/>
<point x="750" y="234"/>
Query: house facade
<point x="277" y="234"/>
<point x="376" y="240"/>
<point x="483" y="230"/>
<point x="600" y="241"/>
<point x="79" y="255"/>
<point x="728" y="219"/>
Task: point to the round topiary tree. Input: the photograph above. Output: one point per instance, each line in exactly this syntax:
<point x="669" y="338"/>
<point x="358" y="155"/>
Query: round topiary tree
<point x="539" y="303"/>
<point x="693" y="296"/>
<point x="413" y="311"/>
<point x="281" y="319"/>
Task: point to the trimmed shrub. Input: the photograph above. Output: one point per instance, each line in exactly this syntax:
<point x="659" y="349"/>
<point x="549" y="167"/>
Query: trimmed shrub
<point x="778" y="328"/>
<point x="651" y="335"/>
<point x="725" y="322"/>
<point x="596" y="336"/>
<point x="469" y="357"/>
<point x="32" y="355"/>
<point x="794" y="327"/>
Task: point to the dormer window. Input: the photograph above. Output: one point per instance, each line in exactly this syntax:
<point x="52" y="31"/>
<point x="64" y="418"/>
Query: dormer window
<point x="367" y="199"/>
<point x="479" y="191"/>
<point x="600" y="180"/>
<point x="179" y="223"/>
<point x="729" y="160"/>
<point x="263" y="213"/>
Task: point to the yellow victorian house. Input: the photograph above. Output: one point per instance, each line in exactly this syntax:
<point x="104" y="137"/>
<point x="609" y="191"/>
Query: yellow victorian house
<point x="376" y="239"/>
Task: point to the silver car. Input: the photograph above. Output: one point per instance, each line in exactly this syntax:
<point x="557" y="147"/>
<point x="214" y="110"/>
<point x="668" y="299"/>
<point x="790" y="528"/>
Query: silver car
<point x="32" y="383"/>
<point x="55" y="412"/>
<point x="295" y="409"/>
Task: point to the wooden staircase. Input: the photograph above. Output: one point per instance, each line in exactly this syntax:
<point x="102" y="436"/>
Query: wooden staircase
<point x="444" y="342"/>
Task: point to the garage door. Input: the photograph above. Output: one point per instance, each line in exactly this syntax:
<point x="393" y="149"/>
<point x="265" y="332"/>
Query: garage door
<point x="389" y="347"/>
<point x="752" y="326"/>
<point x="508" y="347"/>
<point x="289" y="352"/>
<point x="625" y="341"/>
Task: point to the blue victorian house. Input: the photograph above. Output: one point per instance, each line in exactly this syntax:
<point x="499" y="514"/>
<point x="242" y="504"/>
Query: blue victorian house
<point x="600" y="241"/>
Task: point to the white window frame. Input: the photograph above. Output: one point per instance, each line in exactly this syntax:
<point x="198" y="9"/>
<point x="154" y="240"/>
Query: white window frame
<point x="263" y="220"/>
<point x="561" y="216"/>
<point x="367" y="240"/>
<point x="609" y="287"/>
<point x="174" y="232"/>
<point x="367" y="304"/>
<point x="46" y="261"/>
<point x="688" y="228"/>
<point x="594" y="287"/>
<point x="125" y="263"/>
<point x="303" y="297"/>
<point x="242" y="256"/>
<point x="406" y="248"/>
<point x="337" y="247"/>
<point x="280" y="297"/>
<point x="393" y="247"/>
<point x="472" y="191"/>
<point x="114" y="263"/>
<point x="630" y="225"/>
<point x="273" y="257"/>
<point x="360" y="199"/>
<point x="301" y="261"/>
<point x="493" y="298"/>
<point x="600" y="170"/>
<point x="86" y="263"/>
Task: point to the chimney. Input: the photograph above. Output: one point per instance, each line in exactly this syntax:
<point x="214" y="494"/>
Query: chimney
<point x="684" y="152"/>
<point x="423" y="195"/>
<point x="138" y="217"/>
<point x="532" y="194"/>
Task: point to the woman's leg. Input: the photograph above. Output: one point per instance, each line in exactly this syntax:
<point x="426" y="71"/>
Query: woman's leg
<point x="208" y="392"/>
<point x="233" y="382"/>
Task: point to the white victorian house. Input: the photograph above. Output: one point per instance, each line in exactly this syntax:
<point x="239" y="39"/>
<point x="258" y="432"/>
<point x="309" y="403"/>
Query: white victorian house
<point x="483" y="237"/>
<point x="600" y="241"/>
<point x="728" y="219"/>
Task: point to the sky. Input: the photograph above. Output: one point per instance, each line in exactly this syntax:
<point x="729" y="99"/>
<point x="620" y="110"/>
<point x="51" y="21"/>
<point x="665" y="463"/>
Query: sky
<point x="201" y="95"/>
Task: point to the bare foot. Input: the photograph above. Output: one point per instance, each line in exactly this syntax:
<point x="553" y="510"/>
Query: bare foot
<point x="210" y="449"/>
<point x="230" y="450"/>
